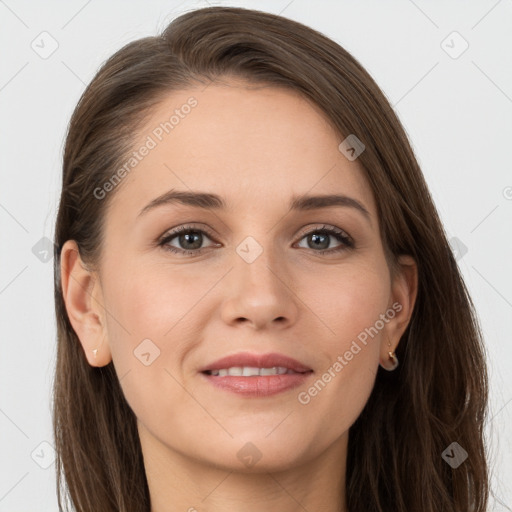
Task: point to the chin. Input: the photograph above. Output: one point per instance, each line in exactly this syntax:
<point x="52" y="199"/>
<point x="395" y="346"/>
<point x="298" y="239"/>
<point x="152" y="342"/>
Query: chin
<point x="258" y="454"/>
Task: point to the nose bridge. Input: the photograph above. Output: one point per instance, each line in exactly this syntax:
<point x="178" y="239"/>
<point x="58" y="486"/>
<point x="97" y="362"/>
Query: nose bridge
<point x="259" y="291"/>
<point x="257" y="265"/>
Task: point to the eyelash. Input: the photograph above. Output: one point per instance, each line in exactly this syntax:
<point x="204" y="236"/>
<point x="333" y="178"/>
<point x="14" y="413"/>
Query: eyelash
<point x="346" y="241"/>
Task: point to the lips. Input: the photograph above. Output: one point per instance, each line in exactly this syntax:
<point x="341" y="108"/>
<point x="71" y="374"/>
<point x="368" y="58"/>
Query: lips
<point x="252" y="384"/>
<point x="247" y="359"/>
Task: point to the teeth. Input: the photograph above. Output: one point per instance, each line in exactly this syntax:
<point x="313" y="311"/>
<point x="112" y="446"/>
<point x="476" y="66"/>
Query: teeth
<point x="250" y="371"/>
<point x="247" y="371"/>
<point x="271" y="371"/>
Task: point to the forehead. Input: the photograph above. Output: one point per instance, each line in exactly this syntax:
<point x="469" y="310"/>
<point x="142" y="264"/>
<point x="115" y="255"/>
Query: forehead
<point x="253" y="145"/>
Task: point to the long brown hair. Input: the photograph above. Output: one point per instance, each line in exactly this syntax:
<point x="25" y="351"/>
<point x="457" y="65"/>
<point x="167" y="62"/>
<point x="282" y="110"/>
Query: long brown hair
<point x="437" y="396"/>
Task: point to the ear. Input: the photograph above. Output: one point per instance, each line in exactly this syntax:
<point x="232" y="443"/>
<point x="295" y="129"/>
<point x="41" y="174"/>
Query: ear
<point x="404" y="289"/>
<point x="81" y="291"/>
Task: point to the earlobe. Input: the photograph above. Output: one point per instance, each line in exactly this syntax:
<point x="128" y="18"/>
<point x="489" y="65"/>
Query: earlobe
<point x="82" y="298"/>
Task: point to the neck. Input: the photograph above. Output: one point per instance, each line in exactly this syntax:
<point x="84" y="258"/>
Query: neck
<point x="178" y="483"/>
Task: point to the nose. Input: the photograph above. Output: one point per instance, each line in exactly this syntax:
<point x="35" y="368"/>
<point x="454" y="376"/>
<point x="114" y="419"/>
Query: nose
<point x="260" y="293"/>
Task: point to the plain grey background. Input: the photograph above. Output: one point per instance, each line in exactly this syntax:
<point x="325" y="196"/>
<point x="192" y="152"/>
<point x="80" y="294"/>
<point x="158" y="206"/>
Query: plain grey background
<point x="446" y="69"/>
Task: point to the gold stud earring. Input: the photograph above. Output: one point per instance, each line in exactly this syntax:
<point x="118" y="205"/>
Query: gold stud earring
<point x="95" y="351"/>
<point x="393" y="359"/>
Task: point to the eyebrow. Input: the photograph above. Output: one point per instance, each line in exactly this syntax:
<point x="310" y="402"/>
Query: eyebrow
<point x="213" y="201"/>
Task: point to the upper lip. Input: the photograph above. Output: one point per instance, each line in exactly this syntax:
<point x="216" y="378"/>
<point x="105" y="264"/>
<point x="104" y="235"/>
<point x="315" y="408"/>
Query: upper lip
<point x="257" y="361"/>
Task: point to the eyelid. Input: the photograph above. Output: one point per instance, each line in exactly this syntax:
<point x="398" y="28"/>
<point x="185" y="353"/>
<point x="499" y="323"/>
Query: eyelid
<point x="327" y="227"/>
<point x="202" y="227"/>
<point x="186" y="227"/>
<point x="345" y="239"/>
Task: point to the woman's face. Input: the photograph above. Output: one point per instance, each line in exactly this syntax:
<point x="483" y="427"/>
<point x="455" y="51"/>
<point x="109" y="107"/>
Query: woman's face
<point x="255" y="280"/>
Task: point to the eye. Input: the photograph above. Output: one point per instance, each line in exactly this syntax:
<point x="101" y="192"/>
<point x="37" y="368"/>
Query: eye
<point x="188" y="237"/>
<point x="320" y="238"/>
<point x="191" y="239"/>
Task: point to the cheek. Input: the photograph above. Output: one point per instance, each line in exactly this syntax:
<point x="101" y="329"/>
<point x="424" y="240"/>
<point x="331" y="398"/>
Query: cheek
<point x="153" y="325"/>
<point x="140" y="312"/>
<point x="147" y="315"/>
<point x="150" y="302"/>
<point x="352" y="310"/>
<point x="349" y="302"/>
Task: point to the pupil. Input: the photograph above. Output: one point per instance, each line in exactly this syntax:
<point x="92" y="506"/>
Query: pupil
<point x="191" y="236"/>
<point x="316" y="237"/>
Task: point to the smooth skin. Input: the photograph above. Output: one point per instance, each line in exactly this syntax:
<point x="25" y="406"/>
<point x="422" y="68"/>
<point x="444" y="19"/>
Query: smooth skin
<point x="256" y="147"/>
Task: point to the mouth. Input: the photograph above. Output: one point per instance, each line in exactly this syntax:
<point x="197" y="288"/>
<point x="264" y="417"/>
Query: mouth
<point x="248" y="363"/>
<point x="252" y="371"/>
<point x="253" y="375"/>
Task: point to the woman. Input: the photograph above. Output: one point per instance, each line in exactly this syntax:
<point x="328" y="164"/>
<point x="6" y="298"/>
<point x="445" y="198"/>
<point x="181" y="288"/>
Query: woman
<point x="257" y="304"/>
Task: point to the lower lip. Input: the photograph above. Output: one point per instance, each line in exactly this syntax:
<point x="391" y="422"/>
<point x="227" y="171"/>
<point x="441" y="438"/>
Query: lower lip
<point x="261" y="386"/>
